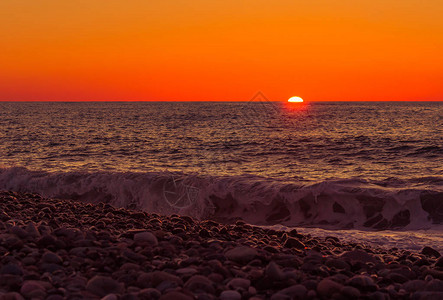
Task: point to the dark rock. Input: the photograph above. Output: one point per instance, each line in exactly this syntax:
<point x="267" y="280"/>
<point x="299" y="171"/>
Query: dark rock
<point x="239" y="284"/>
<point x="46" y="240"/>
<point x="378" y="295"/>
<point x="338" y="264"/>
<point x="327" y="287"/>
<point x="33" y="289"/>
<point x="434" y="285"/>
<point x="241" y="254"/>
<point x="350" y="292"/>
<point x="273" y="272"/>
<point x="359" y="255"/>
<point x="204" y="233"/>
<point x="176" y="296"/>
<point x="230" y="295"/>
<point x="427" y="296"/>
<point x="199" y="283"/>
<point x="113" y="297"/>
<point x="18" y="231"/>
<point x="145" y="238"/>
<point x="439" y="262"/>
<point x="102" y="286"/>
<point x="297" y="291"/>
<point x="32" y="230"/>
<point x="428" y="251"/>
<point x="293" y="233"/>
<point x="294" y="243"/>
<point x="362" y="282"/>
<point x="149" y="293"/>
<point x="11" y="269"/>
<point x="414" y="285"/>
<point x="51" y="257"/>
<point x="395" y="277"/>
<point x="11" y="296"/>
<point x="153" y="279"/>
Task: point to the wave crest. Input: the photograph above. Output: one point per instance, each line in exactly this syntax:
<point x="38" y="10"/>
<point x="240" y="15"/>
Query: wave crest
<point x="334" y="204"/>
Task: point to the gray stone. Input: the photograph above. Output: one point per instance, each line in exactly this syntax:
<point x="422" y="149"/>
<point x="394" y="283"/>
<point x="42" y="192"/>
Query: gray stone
<point x="327" y="287"/>
<point x="145" y="238"/>
<point x="18" y="231"/>
<point x="32" y="289"/>
<point x="338" y="264"/>
<point x="241" y="254"/>
<point x="359" y="255"/>
<point x="200" y="283"/>
<point x="102" y="286"/>
<point x="350" y="292"/>
<point x="110" y="297"/>
<point x="362" y="282"/>
<point x="414" y="285"/>
<point x="274" y="272"/>
<point x="230" y="295"/>
<point x="434" y="285"/>
<point x="174" y="295"/>
<point x="11" y="269"/>
<point x="51" y="257"/>
<point x="149" y="293"/>
<point x="239" y="283"/>
<point x="297" y="291"/>
<point x="427" y="296"/>
<point x="154" y="279"/>
<point x="12" y="296"/>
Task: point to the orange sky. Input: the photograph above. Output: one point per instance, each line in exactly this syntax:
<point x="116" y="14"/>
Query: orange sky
<point x="221" y="50"/>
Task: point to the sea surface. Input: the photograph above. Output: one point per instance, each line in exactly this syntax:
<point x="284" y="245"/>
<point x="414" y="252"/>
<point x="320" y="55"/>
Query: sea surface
<point x="366" y="166"/>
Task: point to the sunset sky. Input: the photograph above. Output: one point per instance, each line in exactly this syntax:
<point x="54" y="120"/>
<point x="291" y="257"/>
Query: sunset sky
<point x="221" y="50"/>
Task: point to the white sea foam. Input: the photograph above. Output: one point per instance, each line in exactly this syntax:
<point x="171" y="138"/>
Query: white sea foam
<point x="387" y="239"/>
<point x="333" y="204"/>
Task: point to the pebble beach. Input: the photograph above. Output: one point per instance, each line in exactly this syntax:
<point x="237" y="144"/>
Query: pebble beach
<point x="60" y="249"/>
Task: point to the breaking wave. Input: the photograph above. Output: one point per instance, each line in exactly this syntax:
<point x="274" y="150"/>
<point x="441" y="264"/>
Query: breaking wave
<point x="332" y="204"/>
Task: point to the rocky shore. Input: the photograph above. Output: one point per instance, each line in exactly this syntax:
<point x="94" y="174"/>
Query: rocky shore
<point x="57" y="249"/>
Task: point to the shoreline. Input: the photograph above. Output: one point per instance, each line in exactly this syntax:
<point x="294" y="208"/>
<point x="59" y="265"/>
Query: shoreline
<point x="57" y="249"/>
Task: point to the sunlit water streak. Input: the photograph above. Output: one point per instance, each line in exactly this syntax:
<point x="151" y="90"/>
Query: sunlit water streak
<point x="320" y="141"/>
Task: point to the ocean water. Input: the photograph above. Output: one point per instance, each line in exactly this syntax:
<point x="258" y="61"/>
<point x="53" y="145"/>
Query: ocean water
<point x="333" y="165"/>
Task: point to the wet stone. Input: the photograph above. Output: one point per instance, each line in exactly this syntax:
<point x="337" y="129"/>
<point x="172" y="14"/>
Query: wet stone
<point x="102" y="286"/>
<point x="199" y="283"/>
<point x="428" y="251"/>
<point x="239" y="283"/>
<point x="359" y="255"/>
<point x="273" y="272"/>
<point x="327" y="287"/>
<point x="294" y="243"/>
<point x="145" y="238"/>
<point x="350" y="292"/>
<point x="297" y="291"/>
<point x="51" y="257"/>
<point x="11" y="269"/>
<point x="230" y="295"/>
<point x="362" y="282"/>
<point x="241" y="254"/>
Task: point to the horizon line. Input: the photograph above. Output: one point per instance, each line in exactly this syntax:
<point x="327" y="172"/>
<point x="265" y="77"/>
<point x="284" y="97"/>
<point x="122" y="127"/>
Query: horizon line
<point x="250" y="100"/>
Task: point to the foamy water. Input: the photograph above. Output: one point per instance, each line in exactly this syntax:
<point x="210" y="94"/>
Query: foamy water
<point x="386" y="239"/>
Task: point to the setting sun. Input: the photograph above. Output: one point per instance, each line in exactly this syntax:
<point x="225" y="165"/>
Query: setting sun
<point x="295" y="99"/>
